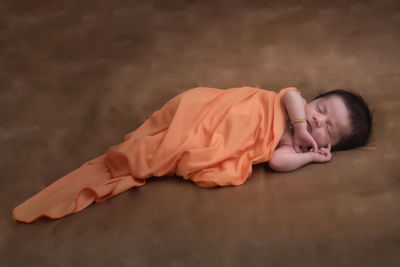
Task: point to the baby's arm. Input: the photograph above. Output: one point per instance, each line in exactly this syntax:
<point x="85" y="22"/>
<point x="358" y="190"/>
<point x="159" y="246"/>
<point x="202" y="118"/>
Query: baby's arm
<point x="286" y="159"/>
<point x="295" y="107"/>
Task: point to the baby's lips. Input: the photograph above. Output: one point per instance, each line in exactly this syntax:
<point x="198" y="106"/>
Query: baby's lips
<point x="308" y="127"/>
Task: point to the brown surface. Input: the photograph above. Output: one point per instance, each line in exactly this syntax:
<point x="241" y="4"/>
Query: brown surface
<point x="75" y="76"/>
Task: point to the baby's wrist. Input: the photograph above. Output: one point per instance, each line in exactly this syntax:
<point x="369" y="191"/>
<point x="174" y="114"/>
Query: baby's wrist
<point x="311" y="156"/>
<point x="299" y="125"/>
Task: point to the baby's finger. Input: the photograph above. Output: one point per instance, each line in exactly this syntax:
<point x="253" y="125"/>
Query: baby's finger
<point x="329" y="147"/>
<point x="314" y="144"/>
<point x="326" y="149"/>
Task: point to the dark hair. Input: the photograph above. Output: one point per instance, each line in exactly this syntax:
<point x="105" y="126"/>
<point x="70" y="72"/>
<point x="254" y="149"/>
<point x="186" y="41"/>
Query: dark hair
<point x="360" y="119"/>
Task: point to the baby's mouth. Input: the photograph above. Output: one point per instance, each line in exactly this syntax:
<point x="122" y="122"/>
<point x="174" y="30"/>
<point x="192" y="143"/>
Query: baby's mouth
<point x="308" y="127"/>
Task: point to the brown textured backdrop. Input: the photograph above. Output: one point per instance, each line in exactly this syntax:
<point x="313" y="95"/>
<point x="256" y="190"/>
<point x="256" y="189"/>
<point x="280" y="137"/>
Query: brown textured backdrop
<point x="76" y="76"/>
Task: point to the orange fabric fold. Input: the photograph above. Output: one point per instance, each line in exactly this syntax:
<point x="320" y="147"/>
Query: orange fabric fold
<point x="209" y="136"/>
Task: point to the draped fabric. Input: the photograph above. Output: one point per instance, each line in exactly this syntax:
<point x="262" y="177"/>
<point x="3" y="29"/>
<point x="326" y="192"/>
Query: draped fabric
<point x="209" y="136"/>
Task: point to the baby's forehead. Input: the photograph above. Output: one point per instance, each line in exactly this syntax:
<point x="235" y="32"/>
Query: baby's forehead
<point x="333" y="100"/>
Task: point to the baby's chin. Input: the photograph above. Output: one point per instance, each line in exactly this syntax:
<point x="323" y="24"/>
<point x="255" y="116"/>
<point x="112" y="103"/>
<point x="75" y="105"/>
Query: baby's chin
<point x="321" y="145"/>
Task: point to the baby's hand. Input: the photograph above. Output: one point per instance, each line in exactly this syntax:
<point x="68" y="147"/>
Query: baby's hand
<point x="302" y="139"/>
<point x="322" y="155"/>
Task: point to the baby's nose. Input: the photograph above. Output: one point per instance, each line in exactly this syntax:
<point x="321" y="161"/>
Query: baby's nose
<point x="318" y="121"/>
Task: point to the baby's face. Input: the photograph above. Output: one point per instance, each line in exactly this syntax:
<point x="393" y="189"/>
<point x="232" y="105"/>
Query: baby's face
<point x="328" y="120"/>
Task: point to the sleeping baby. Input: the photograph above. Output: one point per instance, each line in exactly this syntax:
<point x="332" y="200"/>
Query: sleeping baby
<point x="337" y="119"/>
<point x="212" y="137"/>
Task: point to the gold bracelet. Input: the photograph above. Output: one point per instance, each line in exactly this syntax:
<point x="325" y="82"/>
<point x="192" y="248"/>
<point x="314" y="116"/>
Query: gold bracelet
<point x="298" y="121"/>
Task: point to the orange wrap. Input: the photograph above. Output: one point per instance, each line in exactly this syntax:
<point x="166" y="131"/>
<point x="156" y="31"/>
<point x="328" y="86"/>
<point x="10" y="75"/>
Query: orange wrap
<point x="210" y="136"/>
